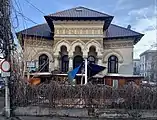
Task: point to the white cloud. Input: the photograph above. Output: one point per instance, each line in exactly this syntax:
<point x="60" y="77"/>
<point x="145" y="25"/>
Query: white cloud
<point x="142" y="20"/>
<point x="142" y="11"/>
<point x="143" y="24"/>
<point x="120" y="5"/>
<point x="149" y="37"/>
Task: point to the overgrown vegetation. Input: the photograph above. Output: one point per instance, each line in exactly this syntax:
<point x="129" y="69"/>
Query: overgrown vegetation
<point x="97" y="96"/>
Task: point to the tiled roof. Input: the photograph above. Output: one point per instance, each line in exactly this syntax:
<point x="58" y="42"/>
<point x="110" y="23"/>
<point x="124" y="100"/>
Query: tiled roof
<point x="114" y="31"/>
<point x="148" y="51"/>
<point x="79" y="12"/>
<point x="41" y="30"/>
<point x="118" y="31"/>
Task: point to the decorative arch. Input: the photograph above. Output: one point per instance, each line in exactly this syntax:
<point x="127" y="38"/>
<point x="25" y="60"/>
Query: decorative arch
<point x="113" y="64"/>
<point x="95" y="44"/>
<point x="46" y="52"/>
<point x="60" y="44"/>
<point x="64" y="60"/>
<point x="79" y="43"/>
<point x="115" y="53"/>
<point x="43" y="63"/>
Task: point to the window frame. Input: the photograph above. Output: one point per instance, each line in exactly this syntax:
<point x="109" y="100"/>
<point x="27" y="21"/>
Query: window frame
<point x="115" y="66"/>
<point x="64" y="63"/>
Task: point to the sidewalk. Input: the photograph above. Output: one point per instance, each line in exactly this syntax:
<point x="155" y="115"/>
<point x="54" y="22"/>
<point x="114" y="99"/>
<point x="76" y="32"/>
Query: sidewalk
<point x="45" y="118"/>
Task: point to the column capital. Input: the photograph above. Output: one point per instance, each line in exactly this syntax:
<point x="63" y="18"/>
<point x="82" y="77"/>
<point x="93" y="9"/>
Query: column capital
<point x="85" y="56"/>
<point x="70" y="56"/>
<point x="56" y="56"/>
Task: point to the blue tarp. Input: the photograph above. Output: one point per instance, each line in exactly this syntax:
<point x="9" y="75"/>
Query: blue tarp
<point x="72" y="74"/>
<point x="92" y="69"/>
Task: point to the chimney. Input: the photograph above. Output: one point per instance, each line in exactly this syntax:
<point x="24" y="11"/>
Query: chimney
<point x="129" y="27"/>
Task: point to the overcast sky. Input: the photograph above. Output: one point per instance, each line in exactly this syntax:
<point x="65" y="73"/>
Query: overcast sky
<point x="140" y="14"/>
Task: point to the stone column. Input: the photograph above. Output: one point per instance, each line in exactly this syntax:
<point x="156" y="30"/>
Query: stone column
<point x="85" y="55"/>
<point x="100" y="57"/>
<point x="99" y="61"/>
<point x="56" y="62"/>
<point x="70" y="62"/>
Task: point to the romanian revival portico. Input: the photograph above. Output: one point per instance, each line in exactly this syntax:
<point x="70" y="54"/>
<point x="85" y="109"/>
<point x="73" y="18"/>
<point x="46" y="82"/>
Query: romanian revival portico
<point x="72" y="35"/>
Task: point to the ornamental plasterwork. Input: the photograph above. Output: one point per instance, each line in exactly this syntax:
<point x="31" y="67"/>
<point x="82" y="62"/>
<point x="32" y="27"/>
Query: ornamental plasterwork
<point x="44" y="51"/>
<point x="78" y="42"/>
<point x="38" y="42"/>
<point x="76" y="31"/>
<point x="118" y="45"/>
<point x="78" y="22"/>
<point x="113" y="52"/>
<point x="71" y="40"/>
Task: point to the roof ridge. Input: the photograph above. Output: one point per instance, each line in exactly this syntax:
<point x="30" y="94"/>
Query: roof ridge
<point x="95" y="10"/>
<point x="125" y="28"/>
<point x="90" y="9"/>
<point x="59" y="11"/>
<point x="147" y="51"/>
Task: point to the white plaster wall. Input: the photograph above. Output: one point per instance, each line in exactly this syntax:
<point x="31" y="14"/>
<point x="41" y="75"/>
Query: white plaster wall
<point x="33" y="53"/>
<point x="125" y="57"/>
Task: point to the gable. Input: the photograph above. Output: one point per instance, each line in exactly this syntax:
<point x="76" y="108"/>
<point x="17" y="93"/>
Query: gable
<point x="79" y="12"/>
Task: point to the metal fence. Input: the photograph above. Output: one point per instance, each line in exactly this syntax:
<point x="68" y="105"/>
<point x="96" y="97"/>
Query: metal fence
<point x="85" y="96"/>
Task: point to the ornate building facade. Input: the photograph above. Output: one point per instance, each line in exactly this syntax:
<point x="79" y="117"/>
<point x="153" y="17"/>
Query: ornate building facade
<point x="71" y="35"/>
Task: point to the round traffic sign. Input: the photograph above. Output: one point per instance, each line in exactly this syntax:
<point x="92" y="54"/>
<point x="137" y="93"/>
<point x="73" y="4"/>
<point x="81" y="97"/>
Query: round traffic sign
<point x="5" y="66"/>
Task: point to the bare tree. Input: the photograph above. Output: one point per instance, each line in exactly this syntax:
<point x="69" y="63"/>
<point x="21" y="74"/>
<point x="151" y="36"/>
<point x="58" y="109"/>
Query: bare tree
<point x="153" y="70"/>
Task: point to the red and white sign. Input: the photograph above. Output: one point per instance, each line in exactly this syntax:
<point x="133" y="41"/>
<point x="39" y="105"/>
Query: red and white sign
<point x="5" y="66"/>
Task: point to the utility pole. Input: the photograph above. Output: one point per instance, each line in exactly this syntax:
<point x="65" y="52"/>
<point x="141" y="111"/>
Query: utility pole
<point x="156" y="41"/>
<point x="6" y="40"/>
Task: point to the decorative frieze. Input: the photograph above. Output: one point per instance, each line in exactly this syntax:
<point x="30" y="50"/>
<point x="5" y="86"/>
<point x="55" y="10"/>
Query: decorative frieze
<point x="78" y="31"/>
<point x="78" y="22"/>
<point x="118" y="45"/>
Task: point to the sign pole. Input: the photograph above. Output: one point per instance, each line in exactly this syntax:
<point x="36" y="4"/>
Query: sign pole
<point x="5" y="67"/>
<point x="7" y="98"/>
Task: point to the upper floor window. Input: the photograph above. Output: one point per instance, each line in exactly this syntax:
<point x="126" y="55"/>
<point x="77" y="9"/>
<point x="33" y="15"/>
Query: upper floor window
<point x="113" y="64"/>
<point x="77" y="61"/>
<point x="65" y="63"/>
<point x="43" y="63"/>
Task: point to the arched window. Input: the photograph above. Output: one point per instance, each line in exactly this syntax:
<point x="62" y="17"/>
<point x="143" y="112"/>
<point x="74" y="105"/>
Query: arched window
<point x="65" y="63"/>
<point x="43" y="63"/>
<point x="113" y="64"/>
<point x="92" y="54"/>
<point x="77" y="61"/>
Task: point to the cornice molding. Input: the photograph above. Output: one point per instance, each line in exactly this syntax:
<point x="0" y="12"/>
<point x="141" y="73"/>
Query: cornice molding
<point x="58" y="22"/>
<point x="122" y="44"/>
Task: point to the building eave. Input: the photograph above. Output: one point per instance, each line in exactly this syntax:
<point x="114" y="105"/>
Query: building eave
<point x="107" y="20"/>
<point x="136" y="38"/>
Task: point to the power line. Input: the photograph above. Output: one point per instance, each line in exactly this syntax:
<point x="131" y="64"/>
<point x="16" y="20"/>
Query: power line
<point x="35" y="7"/>
<point x="43" y="13"/>
<point x="25" y="17"/>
